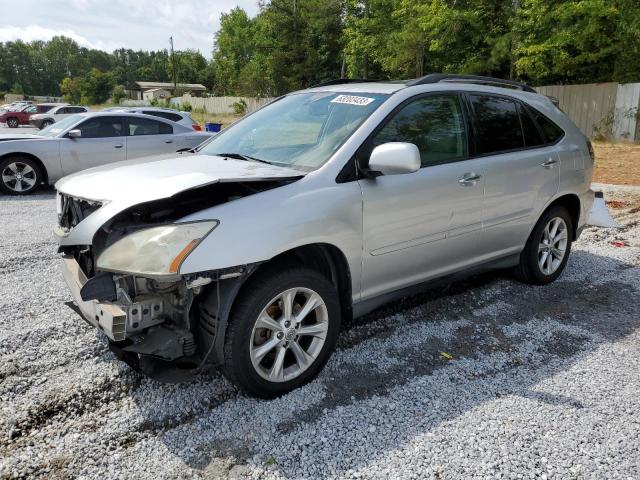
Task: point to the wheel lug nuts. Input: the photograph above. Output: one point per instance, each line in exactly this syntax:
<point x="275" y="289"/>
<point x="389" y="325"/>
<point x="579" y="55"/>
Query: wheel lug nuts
<point x="280" y="335"/>
<point x="287" y="323"/>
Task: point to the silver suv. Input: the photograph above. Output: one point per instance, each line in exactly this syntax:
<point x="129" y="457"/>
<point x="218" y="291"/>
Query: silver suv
<point x="315" y="209"/>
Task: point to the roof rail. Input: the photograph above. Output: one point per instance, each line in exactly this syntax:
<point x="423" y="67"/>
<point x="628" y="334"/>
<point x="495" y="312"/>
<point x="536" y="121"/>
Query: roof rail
<point x="476" y="79"/>
<point x="338" y="81"/>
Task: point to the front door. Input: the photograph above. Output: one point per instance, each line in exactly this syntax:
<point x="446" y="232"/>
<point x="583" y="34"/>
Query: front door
<point x="101" y="141"/>
<point x="421" y="225"/>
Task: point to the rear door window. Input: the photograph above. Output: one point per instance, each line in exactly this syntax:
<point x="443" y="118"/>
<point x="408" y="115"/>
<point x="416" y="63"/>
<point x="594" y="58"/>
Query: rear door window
<point x="497" y="124"/>
<point x="75" y="110"/>
<point x="147" y="126"/>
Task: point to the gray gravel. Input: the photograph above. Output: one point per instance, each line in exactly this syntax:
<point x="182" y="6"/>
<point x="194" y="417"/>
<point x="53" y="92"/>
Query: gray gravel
<point x="24" y="129"/>
<point x="540" y="381"/>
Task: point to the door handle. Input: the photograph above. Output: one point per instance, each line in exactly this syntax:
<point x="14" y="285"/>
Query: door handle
<point x="117" y="145"/>
<point x="168" y="141"/>
<point x="469" y="179"/>
<point x="549" y="163"/>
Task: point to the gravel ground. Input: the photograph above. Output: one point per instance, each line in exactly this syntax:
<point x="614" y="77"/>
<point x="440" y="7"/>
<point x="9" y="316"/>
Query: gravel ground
<point x="24" y="129"/>
<point x="485" y="378"/>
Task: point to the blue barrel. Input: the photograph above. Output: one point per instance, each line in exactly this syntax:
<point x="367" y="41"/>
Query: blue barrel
<point x="212" y="127"/>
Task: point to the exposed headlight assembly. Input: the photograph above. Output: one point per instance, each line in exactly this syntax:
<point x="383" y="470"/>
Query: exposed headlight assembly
<point x="155" y="251"/>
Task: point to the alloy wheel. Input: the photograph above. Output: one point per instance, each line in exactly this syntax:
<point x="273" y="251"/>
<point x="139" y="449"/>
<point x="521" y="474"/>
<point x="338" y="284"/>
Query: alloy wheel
<point x="553" y="245"/>
<point x="288" y="335"/>
<point x="19" y="177"/>
<point x="12" y="123"/>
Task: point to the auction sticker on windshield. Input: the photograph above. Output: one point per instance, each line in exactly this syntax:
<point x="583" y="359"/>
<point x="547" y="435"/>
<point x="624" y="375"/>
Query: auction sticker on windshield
<point x="353" y="100"/>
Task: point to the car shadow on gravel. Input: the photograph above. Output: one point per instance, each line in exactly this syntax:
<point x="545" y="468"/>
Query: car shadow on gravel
<point x="43" y="193"/>
<point x="490" y="337"/>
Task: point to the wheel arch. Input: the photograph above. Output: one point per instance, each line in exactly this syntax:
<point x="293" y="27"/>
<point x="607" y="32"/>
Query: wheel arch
<point x="43" y="170"/>
<point x="571" y="202"/>
<point x="325" y="258"/>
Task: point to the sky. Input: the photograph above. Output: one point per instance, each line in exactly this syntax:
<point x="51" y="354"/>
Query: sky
<point x="111" y="24"/>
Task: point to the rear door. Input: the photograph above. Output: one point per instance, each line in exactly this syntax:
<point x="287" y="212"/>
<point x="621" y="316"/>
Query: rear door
<point x="102" y="141"/>
<point x="522" y="170"/>
<point x="421" y="225"/>
<point x="148" y="136"/>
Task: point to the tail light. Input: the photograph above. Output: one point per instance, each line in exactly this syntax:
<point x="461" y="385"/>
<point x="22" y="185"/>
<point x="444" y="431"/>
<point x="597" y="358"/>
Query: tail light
<point x="196" y="127"/>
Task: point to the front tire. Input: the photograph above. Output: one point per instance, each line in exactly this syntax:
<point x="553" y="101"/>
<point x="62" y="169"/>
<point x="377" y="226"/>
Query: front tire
<point x="45" y="124"/>
<point x="19" y="176"/>
<point x="548" y="247"/>
<point x="13" y="123"/>
<point x="282" y="330"/>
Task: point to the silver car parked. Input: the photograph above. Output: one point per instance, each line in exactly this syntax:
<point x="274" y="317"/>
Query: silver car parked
<point x="183" y="118"/>
<point x="86" y="140"/>
<point x="43" y="120"/>
<point x="317" y="208"/>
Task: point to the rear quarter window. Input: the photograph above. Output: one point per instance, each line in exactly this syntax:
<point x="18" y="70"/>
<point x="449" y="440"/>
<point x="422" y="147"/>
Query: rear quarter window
<point x="174" y="117"/>
<point x="552" y="132"/>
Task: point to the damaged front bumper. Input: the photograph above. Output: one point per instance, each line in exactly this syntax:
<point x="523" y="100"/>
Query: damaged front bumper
<point x="150" y="325"/>
<point x="108" y="317"/>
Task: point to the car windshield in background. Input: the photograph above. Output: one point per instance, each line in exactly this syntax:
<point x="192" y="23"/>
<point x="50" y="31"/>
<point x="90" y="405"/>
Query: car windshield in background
<point x="57" y="128"/>
<point x="299" y="131"/>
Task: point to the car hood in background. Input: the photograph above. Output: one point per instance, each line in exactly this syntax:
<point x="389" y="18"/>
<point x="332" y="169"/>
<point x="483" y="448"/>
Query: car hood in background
<point x="140" y="180"/>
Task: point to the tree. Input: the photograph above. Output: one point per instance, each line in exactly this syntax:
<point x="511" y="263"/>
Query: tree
<point x="96" y="86"/>
<point x="70" y="88"/>
<point x="568" y="41"/>
<point x="233" y="49"/>
<point x="118" y="94"/>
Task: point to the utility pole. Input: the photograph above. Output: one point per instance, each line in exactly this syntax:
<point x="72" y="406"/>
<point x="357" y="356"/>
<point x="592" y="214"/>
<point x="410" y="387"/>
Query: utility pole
<point x="173" y="67"/>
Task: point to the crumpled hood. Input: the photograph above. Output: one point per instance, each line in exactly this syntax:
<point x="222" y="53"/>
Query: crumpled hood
<point x="140" y="180"/>
<point x="8" y="136"/>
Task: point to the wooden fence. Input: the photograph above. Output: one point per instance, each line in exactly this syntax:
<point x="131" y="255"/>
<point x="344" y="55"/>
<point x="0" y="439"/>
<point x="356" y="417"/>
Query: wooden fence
<point x="221" y="105"/>
<point x="605" y="110"/>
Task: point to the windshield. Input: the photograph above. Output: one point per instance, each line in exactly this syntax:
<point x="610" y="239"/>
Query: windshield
<point x="298" y="131"/>
<point x="57" y="128"/>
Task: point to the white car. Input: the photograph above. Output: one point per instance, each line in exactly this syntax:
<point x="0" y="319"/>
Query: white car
<point x="87" y="140"/>
<point x="43" y="120"/>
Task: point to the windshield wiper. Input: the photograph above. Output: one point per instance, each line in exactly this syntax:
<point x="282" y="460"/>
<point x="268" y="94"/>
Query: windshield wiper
<point x="240" y="156"/>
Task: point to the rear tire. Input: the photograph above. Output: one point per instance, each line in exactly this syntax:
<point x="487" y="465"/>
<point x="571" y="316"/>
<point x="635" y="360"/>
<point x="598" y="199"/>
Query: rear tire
<point x="19" y="176"/>
<point x="547" y="250"/>
<point x="271" y="349"/>
<point x="13" y="122"/>
<point x="45" y="124"/>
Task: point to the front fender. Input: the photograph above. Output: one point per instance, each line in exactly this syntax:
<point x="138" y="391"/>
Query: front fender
<point x="257" y="228"/>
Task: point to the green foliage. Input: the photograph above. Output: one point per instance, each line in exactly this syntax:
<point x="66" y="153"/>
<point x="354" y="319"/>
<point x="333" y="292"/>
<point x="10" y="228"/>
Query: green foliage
<point x="96" y="87"/>
<point x="186" y="107"/>
<point x="570" y="41"/>
<point x="118" y="94"/>
<point x="240" y="107"/>
<point x="17" y="88"/>
<point x="70" y="89"/>
<point x="292" y="44"/>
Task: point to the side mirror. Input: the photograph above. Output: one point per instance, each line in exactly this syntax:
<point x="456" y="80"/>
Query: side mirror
<point x="395" y="158"/>
<point x="75" y="133"/>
